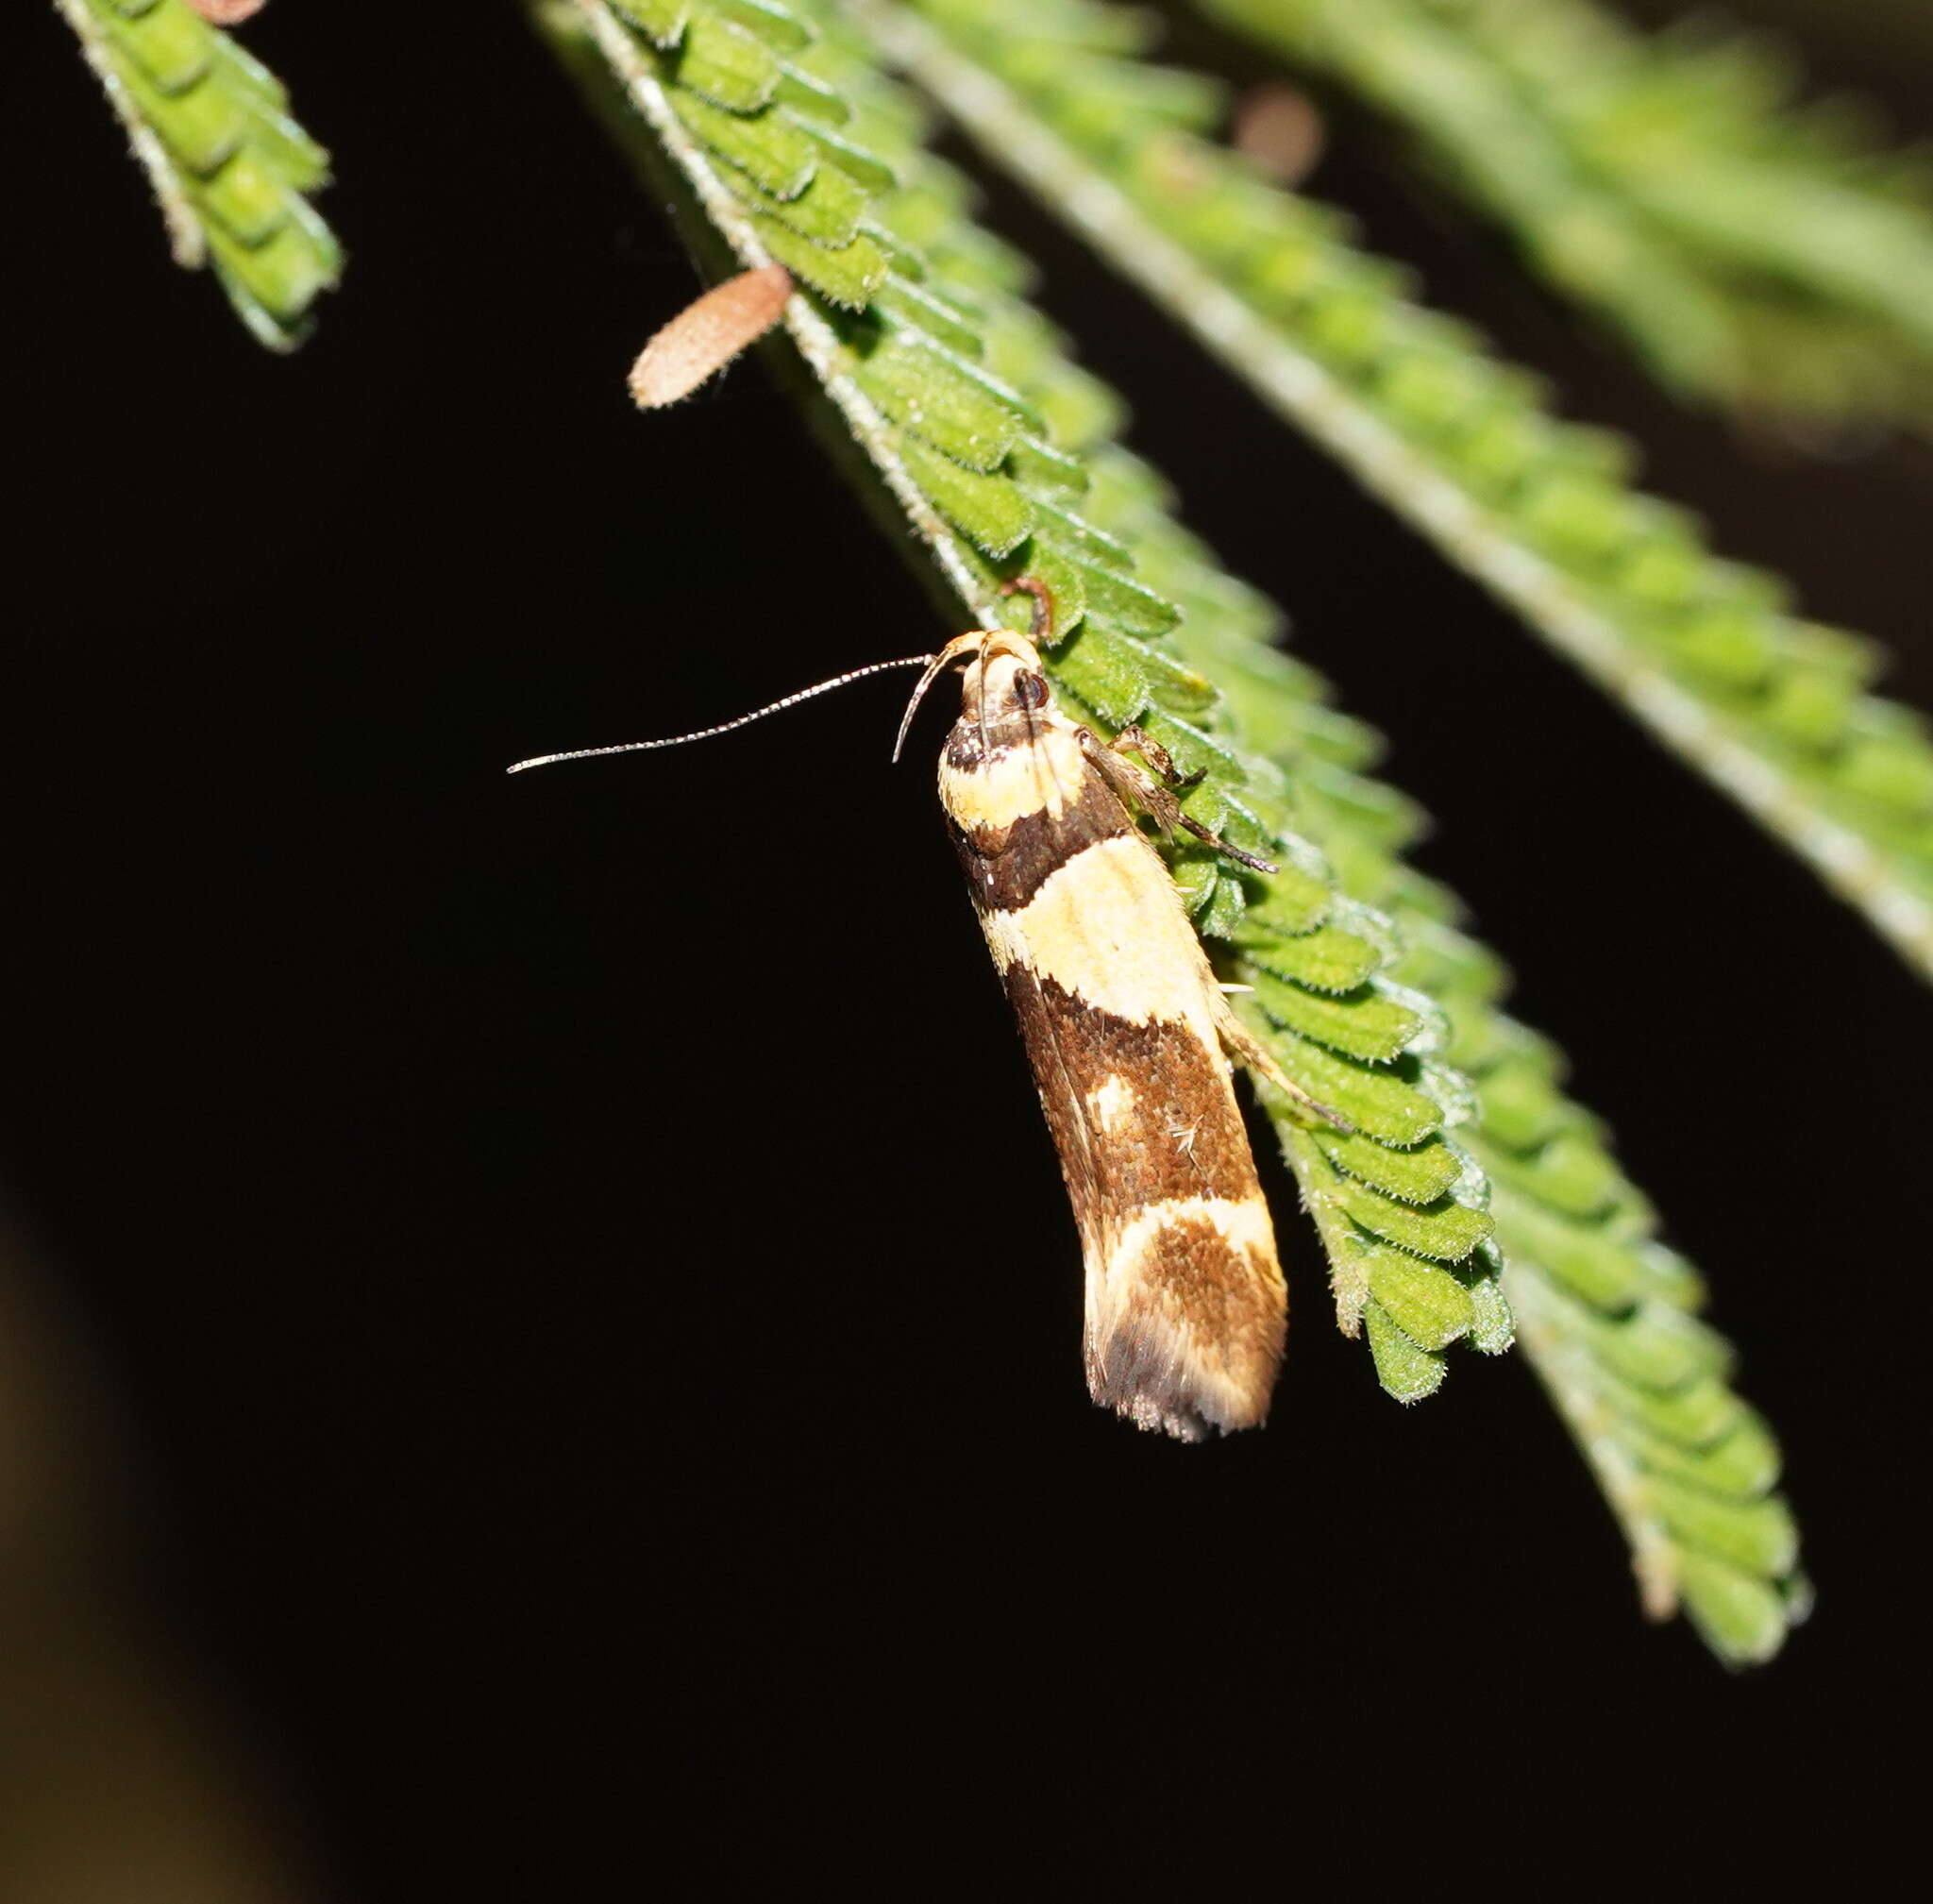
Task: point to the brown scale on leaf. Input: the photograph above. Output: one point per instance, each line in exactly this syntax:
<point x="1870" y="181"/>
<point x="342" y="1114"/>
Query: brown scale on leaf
<point x="708" y="333"/>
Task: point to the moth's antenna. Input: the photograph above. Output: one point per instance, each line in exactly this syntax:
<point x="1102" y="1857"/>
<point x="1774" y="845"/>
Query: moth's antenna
<point x="973" y="642"/>
<point x="726" y="727"/>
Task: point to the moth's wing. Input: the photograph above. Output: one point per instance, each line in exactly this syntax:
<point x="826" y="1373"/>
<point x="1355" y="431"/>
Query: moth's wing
<point x="1186" y="1308"/>
<point x="1130" y="785"/>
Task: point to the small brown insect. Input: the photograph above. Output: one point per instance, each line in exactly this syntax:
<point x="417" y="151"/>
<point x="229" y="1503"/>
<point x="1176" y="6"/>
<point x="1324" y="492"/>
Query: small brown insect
<point x="1131" y="1039"/>
<point x="708" y="333"/>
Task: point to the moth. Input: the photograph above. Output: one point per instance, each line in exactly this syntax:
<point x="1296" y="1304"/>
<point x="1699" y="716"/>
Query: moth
<point x="1130" y="1034"/>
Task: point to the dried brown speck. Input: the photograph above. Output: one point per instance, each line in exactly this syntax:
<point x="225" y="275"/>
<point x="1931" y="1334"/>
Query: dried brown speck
<point x="1281" y="130"/>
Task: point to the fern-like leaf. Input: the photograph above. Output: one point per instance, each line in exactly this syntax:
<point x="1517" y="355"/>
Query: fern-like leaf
<point x="1328" y="992"/>
<point x="987" y="436"/>
<point x="231" y="171"/>
<point x="1705" y="652"/>
<point x="1767" y="258"/>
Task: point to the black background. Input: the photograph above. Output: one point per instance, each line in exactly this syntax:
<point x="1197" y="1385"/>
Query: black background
<point x="577" y="1256"/>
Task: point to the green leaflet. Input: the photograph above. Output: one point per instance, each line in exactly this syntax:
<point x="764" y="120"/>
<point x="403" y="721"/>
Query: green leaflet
<point x="777" y="27"/>
<point x="989" y="511"/>
<point x="1374" y="1098"/>
<point x="1740" y="1618"/>
<point x="1428" y="1305"/>
<point x="1742" y="1463"/>
<point x="231" y="171"/>
<point x="965" y="398"/>
<point x="721" y="61"/>
<point x="945" y="401"/>
<point x="777" y="154"/>
<point x="1444" y="1231"/>
<point x="1707" y="653"/>
<point x="846" y="274"/>
<point x="1375" y="1027"/>
<point x="1043" y="471"/>
<point x="1494" y="1326"/>
<point x="663" y="21"/>
<point x="1122" y="678"/>
<point x="924" y="315"/>
<point x="1424" y="1174"/>
<point x="1332" y="958"/>
<point x="1688" y="1469"/>
<point x="1406" y="1369"/>
<point x="1418" y="1276"/>
<point x="1296" y="900"/>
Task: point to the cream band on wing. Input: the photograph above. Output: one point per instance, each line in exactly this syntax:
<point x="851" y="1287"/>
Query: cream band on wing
<point x="1016" y="779"/>
<point x="1089" y="928"/>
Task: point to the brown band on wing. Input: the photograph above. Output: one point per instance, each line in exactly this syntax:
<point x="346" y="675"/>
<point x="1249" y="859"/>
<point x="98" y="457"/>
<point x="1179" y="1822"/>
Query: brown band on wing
<point x="1007" y="865"/>
<point x="1196" y="1343"/>
<point x="1167" y="1112"/>
<point x="1185" y="1306"/>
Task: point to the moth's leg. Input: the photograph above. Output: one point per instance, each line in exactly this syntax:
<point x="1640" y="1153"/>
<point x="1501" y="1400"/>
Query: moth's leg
<point x="1242" y="1045"/>
<point x="1135" y="785"/>
<point x="1133" y="740"/>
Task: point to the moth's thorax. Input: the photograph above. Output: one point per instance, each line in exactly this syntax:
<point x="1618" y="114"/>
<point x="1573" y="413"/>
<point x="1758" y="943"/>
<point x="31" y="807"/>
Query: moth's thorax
<point x="1011" y="753"/>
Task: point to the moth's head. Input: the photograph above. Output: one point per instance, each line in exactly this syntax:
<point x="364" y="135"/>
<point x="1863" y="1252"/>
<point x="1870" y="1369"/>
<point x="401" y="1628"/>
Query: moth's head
<point x="1002" y="679"/>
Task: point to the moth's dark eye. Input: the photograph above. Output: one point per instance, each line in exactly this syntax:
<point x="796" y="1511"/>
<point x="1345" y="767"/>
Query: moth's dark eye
<point x="1030" y="690"/>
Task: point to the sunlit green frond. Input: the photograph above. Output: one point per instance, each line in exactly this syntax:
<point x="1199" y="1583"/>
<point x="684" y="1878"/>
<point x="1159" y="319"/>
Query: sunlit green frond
<point x="233" y="174"/>
<point x="1340" y="984"/>
<point x="1707" y="653"/>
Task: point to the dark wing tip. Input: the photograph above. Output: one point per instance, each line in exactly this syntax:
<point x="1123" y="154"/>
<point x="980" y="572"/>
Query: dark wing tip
<point x="1143" y="1373"/>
